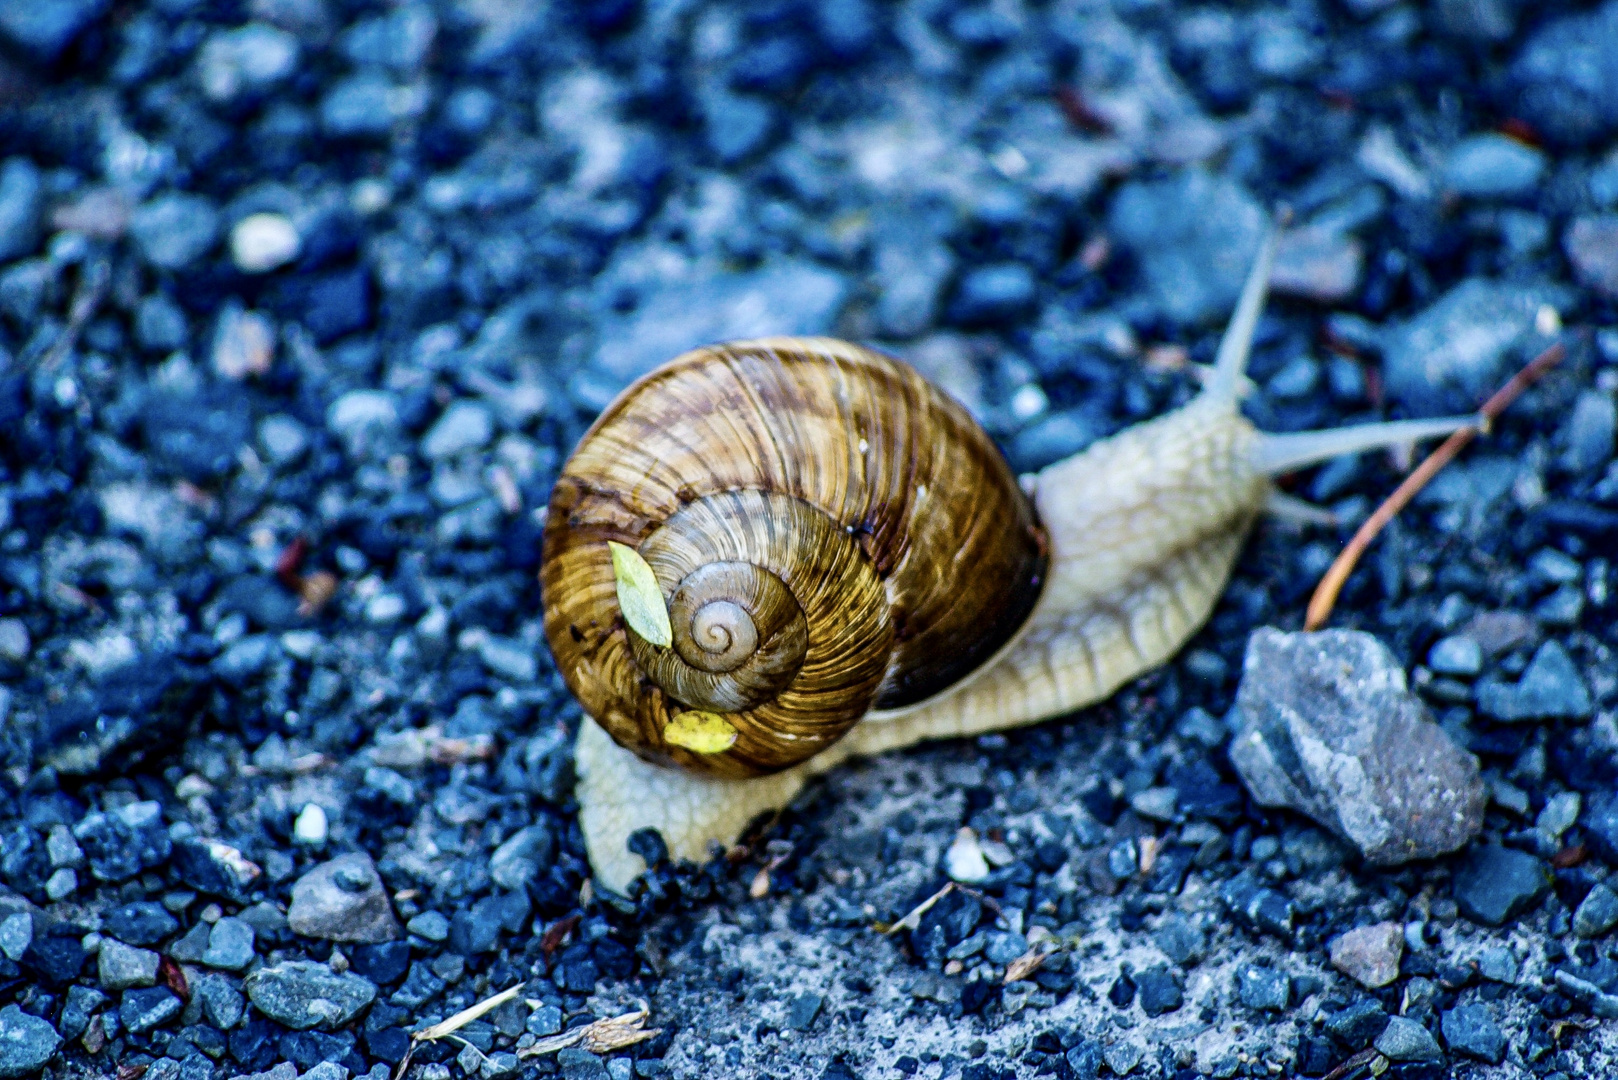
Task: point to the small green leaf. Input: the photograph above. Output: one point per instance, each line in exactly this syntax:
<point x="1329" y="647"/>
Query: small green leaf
<point x="639" y="597"/>
<point x="701" y="732"/>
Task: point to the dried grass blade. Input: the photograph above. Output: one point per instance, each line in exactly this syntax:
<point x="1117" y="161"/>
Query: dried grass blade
<point x="465" y="1016"/>
<point x="913" y="918"/>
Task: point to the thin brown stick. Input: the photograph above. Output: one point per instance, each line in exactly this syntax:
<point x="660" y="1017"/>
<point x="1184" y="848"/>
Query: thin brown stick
<point x="1325" y="597"/>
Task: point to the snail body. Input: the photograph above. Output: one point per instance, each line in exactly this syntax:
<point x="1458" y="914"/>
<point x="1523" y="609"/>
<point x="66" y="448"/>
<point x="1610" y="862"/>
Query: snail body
<point x="849" y="567"/>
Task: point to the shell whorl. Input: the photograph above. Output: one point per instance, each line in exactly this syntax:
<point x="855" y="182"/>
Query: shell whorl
<point x="830" y="535"/>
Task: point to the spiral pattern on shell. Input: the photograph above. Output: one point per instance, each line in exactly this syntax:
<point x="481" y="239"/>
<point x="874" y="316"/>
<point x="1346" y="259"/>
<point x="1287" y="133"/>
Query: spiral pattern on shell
<point x="830" y="534"/>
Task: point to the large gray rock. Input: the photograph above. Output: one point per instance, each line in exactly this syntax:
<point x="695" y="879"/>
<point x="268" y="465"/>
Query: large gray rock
<point x="303" y="994"/>
<point x="1453" y="355"/>
<point x="26" y="1043"/>
<point x="1195" y="235"/>
<point x="1566" y="76"/>
<point x="1329" y="728"/>
<point x="343" y="900"/>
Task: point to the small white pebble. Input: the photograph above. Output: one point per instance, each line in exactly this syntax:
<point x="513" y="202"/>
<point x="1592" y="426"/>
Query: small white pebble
<point x="370" y="196"/>
<point x="964" y="861"/>
<point x="261" y="242"/>
<point x="310" y="828"/>
<point x="1028" y="402"/>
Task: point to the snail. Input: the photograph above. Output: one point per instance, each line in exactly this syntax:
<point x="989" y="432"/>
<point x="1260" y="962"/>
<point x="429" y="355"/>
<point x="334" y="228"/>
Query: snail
<point x="769" y="556"/>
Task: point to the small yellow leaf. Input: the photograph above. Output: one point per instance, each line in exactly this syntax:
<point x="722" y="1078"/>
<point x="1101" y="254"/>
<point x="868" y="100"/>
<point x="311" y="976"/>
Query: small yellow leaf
<point x="639" y="597"/>
<point x="701" y="732"/>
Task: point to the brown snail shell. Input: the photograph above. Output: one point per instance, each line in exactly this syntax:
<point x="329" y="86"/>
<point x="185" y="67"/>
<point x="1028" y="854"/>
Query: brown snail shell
<point x="832" y="535"/>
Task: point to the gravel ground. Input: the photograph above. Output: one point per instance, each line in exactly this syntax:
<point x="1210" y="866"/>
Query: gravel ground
<point x="303" y="302"/>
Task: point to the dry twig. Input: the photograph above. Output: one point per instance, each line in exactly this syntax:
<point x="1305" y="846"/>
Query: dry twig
<point x="1325" y="597"/>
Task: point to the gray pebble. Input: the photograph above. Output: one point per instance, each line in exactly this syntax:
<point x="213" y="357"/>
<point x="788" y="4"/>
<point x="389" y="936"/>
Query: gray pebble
<point x="802" y="1011"/>
<point x="367" y="106"/>
<point x="42" y="30"/>
<point x="1124" y="1057"/>
<point x="911" y="277"/>
<point x="1179" y="939"/>
<point x="1590" y="431"/>
<point x="26" y="1043"/>
<point x="193" y="946"/>
<point x="16" y="934"/>
<point x="736" y="124"/>
<point x="788" y="297"/>
<point x="1298" y="378"/>
<point x="343" y="900"/>
<point x="230" y="945"/>
<point x="1160" y="991"/>
<point x="1370" y="955"/>
<point x="1263" y="988"/>
<point x="142" y="1010"/>
<point x="302" y="994"/>
<point x="545" y="1020"/>
<point x="1493" y="166"/>
<point x="160" y="324"/>
<point x="1377" y="771"/>
<point x="222" y="1002"/>
<point x="1550" y="687"/>
<point x="245" y="61"/>
<point x="520" y="859"/>
<point x="1457" y="655"/>
<point x="465" y="425"/>
<point x="1566" y="76"/>
<point x="1453" y="354"/>
<point x="175" y="230"/>
<point x="1494" y="884"/>
<point x="82" y="1003"/>
<point x="121" y="966"/>
<point x="429" y="925"/>
<point x="1002" y="947"/>
<point x="993" y="293"/>
<point x="1406" y="1040"/>
<point x="399" y="40"/>
<point x="14" y="641"/>
<point x="1597" y="913"/>
<point x="363" y="415"/>
<point x="1195" y="235"/>
<point x="1471" y="1031"/>
<point x="1498" y="964"/>
<point x="580" y="1065"/>
<point x="283" y="439"/>
<point x="21" y="198"/>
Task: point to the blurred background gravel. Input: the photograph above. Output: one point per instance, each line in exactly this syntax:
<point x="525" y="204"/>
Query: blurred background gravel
<point x="303" y="302"/>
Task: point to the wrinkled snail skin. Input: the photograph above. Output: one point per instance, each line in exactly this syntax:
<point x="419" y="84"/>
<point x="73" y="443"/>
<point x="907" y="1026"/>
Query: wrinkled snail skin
<point x="1135" y="539"/>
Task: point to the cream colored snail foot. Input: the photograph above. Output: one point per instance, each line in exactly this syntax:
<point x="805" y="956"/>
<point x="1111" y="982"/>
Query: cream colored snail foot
<point x="848" y="566"/>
